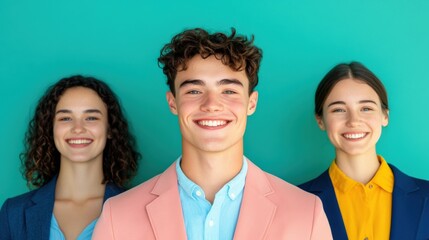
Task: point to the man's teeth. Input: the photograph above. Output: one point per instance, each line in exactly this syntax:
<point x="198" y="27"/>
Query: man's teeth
<point x="212" y="123"/>
<point x="79" y="141"/>
<point x="354" y="135"/>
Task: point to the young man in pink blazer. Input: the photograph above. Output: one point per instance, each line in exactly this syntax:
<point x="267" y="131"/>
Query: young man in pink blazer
<point x="212" y="191"/>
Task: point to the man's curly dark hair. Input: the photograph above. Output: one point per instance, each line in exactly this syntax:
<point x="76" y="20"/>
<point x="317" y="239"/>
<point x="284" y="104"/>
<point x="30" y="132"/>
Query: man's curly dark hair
<point x="235" y="51"/>
<point x="41" y="159"/>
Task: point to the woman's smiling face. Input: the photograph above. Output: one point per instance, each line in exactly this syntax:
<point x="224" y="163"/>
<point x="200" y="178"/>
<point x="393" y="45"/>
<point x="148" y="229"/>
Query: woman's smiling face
<point x="353" y="117"/>
<point x="80" y="125"/>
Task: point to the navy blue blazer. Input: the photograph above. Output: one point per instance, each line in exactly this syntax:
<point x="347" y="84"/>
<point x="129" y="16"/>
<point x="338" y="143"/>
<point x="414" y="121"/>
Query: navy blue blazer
<point x="28" y="216"/>
<point x="410" y="206"/>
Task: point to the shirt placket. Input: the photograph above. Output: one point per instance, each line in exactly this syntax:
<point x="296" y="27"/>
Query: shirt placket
<point x="368" y="193"/>
<point x="212" y="221"/>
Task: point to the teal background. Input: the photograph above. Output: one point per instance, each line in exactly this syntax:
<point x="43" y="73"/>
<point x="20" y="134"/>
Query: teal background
<point x="119" y="42"/>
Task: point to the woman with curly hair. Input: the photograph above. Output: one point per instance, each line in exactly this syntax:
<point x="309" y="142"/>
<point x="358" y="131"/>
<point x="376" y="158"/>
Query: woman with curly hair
<point x="78" y="152"/>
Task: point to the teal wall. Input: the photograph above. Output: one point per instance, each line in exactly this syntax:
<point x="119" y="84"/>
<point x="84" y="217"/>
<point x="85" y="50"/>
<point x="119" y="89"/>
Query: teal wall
<point x="119" y="42"/>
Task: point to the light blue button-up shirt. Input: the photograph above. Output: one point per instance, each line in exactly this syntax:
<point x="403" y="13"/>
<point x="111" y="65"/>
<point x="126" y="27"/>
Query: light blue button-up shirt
<point x="57" y="234"/>
<point x="204" y="221"/>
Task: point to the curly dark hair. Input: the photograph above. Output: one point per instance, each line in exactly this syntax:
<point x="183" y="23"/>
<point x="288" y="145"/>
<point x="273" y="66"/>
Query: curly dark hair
<point x="235" y="51"/>
<point x="41" y="159"/>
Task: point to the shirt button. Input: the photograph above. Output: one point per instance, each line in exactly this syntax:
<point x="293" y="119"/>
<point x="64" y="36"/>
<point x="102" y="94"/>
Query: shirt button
<point x="370" y="187"/>
<point x="232" y="195"/>
<point x="211" y="223"/>
<point x="366" y="238"/>
<point x="198" y="193"/>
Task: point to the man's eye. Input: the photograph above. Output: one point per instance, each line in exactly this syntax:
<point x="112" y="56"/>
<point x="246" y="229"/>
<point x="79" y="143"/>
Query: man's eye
<point x="229" y="92"/>
<point x="91" y="118"/>
<point x="193" y="92"/>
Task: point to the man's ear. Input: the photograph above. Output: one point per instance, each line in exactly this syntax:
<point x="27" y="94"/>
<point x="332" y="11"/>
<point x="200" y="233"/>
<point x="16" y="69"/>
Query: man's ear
<point x="171" y="100"/>
<point x="253" y="102"/>
<point x="319" y="120"/>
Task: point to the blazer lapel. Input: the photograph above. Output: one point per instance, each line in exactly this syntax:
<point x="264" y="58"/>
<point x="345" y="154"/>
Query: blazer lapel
<point x="255" y="205"/>
<point x="323" y="188"/>
<point x="38" y="217"/>
<point x="165" y="212"/>
<point x="408" y="209"/>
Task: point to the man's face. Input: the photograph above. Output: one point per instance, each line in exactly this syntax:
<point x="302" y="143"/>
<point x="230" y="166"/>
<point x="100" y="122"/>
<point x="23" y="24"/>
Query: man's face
<point x="212" y="103"/>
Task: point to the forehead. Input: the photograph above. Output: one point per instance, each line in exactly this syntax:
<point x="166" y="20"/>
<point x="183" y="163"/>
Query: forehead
<point x="80" y="97"/>
<point x="352" y="89"/>
<point x="209" y="70"/>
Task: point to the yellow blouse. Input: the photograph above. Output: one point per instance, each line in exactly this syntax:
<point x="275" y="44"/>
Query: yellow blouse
<point x="366" y="209"/>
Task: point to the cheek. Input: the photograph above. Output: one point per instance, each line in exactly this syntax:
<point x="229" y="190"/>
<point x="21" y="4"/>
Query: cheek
<point x="187" y="103"/>
<point x="376" y="121"/>
<point x="184" y="109"/>
<point x="333" y="128"/>
<point x="330" y="123"/>
<point x="238" y="105"/>
<point x="58" y="130"/>
<point x="101" y="130"/>
<point x="58" y="135"/>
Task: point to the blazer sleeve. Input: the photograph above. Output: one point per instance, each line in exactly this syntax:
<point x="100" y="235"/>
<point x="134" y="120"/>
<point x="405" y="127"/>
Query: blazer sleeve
<point x="104" y="229"/>
<point x="321" y="229"/>
<point x="4" y="222"/>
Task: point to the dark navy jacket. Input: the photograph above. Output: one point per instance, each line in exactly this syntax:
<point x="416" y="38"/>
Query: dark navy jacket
<point x="410" y="206"/>
<point x="28" y="216"/>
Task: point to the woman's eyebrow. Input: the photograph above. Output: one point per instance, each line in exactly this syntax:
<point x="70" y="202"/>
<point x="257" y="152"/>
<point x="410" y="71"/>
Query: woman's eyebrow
<point x="86" y="111"/>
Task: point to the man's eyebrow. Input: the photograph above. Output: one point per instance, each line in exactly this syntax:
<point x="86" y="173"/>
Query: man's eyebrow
<point x="199" y="82"/>
<point x="192" y="82"/>
<point x="230" y="81"/>
<point x="86" y="111"/>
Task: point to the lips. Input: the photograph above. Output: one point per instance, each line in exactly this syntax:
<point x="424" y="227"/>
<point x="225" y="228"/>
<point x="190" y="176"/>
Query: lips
<point x="212" y="123"/>
<point x="354" y="136"/>
<point x="79" y="141"/>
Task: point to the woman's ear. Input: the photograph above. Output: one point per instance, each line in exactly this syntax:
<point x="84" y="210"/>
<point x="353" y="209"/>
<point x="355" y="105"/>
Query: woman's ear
<point x="385" y="120"/>
<point x="319" y="120"/>
<point x="109" y="133"/>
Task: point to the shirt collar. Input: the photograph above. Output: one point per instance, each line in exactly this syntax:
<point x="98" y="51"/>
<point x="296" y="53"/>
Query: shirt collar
<point x="340" y="180"/>
<point x="382" y="178"/>
<point x="233" y="187"/>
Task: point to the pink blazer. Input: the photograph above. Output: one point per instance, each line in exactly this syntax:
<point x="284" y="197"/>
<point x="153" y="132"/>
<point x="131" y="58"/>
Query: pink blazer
<point x="271" y="209"/>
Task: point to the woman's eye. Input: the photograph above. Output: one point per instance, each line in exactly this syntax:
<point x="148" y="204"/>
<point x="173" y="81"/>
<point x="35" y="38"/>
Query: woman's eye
<point x="338" y="110"/>
<point x="65" y="119"/>
<point x="91" y="118"/>
<point x="366" y="109"/>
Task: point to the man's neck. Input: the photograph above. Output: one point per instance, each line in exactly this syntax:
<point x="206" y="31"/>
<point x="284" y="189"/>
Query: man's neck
<point x="211" y="171"/>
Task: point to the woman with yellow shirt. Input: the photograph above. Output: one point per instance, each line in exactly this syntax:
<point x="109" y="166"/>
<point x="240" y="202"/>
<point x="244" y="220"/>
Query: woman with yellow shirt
<point x="364" y="197"/>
